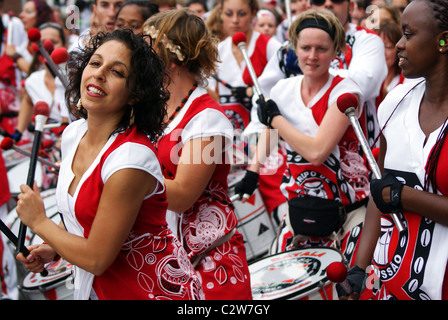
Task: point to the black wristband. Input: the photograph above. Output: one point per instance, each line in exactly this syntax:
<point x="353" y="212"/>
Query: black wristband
<point x="16" y="56"/>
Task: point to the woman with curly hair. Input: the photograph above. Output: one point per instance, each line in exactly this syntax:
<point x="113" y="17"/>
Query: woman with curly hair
<point x="193" y="155"/>
<point x="110" y="191"/>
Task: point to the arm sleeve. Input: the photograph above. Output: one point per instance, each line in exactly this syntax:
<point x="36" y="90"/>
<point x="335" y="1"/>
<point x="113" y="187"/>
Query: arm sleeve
<point x="133" y="156"/>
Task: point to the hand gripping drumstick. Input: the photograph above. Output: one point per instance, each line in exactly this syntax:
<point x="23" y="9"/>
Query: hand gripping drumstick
<point x="34" y="36"/>
<point x="337" y="273"/>
<point x="8" y="143"/>
<point x="41" y="112"/>
<point x="347" y="103"/>
<point x="12" y="237"/>
<point x="239" y="39"/>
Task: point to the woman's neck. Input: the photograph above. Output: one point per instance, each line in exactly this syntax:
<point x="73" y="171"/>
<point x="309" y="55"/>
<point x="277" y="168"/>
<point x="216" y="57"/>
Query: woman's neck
<point x="180" y="84"/>
<point x="99" y="128"/>
<point x="311" y="86"/>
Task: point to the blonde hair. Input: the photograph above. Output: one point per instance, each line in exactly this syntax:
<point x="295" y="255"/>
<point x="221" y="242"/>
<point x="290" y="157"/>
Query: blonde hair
<point x="182" y="37"/>
<point x="332" y="21"/>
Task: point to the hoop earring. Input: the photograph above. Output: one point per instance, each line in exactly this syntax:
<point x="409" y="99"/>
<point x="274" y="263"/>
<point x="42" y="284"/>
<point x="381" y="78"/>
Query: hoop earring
<point x="131" y="117"/>
<point x="79" y="105"/>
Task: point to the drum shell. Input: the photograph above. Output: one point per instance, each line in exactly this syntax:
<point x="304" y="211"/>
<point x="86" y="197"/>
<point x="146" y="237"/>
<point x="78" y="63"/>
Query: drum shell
<point x="254" y="222"/>
<point x="57" y="285"/>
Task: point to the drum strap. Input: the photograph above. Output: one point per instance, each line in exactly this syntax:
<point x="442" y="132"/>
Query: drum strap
<point x="196" y="259"/>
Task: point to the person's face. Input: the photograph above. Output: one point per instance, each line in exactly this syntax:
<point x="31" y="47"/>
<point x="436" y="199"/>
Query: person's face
<point x="265" y="24"/>
<point x="298" y="7"/>
<point x="315" y="51"/>
<point x="28" y="15"/>
<point x="341" y="9"/>
<point x="130" y="17"/>
<point x="105" y="12"/>
<point x="53" y="35"/>
<point x="197" y="9"/>
<point x="103" y="83"/>
<point x="389" y="51"/>
<point x="418" y="47"/>
<point x="236" y="16"/>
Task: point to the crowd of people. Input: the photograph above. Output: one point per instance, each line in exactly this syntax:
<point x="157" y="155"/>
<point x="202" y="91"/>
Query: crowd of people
<point x="158" y="100"/>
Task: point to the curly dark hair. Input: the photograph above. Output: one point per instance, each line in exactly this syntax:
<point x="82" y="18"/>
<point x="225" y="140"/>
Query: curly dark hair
<point x="148" y="75"/>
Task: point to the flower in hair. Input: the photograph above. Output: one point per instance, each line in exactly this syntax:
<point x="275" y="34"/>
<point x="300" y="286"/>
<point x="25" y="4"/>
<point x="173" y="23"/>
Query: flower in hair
<point x="176" y="49"/>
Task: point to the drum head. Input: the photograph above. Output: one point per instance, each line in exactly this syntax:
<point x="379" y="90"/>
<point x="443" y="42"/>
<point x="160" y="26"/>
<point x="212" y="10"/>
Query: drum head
<point x="57" y="272"/>
<point x="292" y="274"/>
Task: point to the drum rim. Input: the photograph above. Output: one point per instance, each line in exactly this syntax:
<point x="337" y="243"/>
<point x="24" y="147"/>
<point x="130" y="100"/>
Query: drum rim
<point x="299" y="249"/>
<point x="309" y="289"/>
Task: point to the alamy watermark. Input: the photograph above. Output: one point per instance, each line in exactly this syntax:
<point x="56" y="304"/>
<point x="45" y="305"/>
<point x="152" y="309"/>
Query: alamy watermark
<point x="73" y="19"/>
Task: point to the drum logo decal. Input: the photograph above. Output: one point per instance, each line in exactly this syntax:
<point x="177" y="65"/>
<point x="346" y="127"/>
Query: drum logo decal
<point x="284" y="275"/>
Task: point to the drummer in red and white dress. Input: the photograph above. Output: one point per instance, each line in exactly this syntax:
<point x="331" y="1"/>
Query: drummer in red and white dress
<point x="237" y="16"/>
<point x="193" y="156"/>
<point x="110" y="184"/>
<point x="412" y="264"/>
<point x="325" y="176"/>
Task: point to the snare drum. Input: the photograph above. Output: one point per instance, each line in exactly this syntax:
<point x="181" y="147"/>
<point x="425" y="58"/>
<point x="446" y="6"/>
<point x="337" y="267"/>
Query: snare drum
<point x="18" y="174"/>
<point x="294" y="275"/>
<point x="254" y="222"/>
<point x="57" y="285"/>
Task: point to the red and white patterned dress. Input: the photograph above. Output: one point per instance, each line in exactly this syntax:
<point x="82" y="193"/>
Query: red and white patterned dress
<point x="151" y="263"/>
<point x="411" y="264"/>
<point x="224" y="271"/>
<point x="343" y="176"/>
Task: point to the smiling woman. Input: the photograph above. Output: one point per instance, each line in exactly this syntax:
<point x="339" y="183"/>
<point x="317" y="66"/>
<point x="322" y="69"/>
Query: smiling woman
<point x="110" y="183"/>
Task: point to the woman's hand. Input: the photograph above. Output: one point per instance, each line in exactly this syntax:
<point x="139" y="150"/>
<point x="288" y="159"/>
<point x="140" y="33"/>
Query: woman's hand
<point x="30" y="206"/>
<point x="40" y="254"/>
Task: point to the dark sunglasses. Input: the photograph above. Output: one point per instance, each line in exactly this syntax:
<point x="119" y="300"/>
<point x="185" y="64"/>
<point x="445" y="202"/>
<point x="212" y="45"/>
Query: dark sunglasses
<point x="321" y="2"/>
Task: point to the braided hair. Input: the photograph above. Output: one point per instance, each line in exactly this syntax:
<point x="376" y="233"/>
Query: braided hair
<point x="440" y="13"/>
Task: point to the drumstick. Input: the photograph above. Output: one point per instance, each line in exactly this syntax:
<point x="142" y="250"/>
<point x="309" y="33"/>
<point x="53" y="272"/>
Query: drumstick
<point x="34" y="36"/>
<point x="236" y="197"/>
<point x="9" y="38"/>
<point x="239" y="39"/>
<point x="225" y="84"/>
<point x="347" y="103"/>
<point x="288" y="12"/>
<point x="8" y="143"/>
<point x="42" y="112"/>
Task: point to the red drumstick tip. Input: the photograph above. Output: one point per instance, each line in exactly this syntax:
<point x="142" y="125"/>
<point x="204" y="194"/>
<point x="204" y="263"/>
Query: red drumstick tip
<point x="346" y="101"/>
<point x="7" y="143"/>
<point x="47" y="143"/>
<point x="35" y="48"/>
<point x="336" y="272"/>
<point x="60" y="55"/>
<point x="48" y="45"/>
<point x="33" y="34"/>
<point x="41" y="108"/>
<point x="238" y="38"/>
